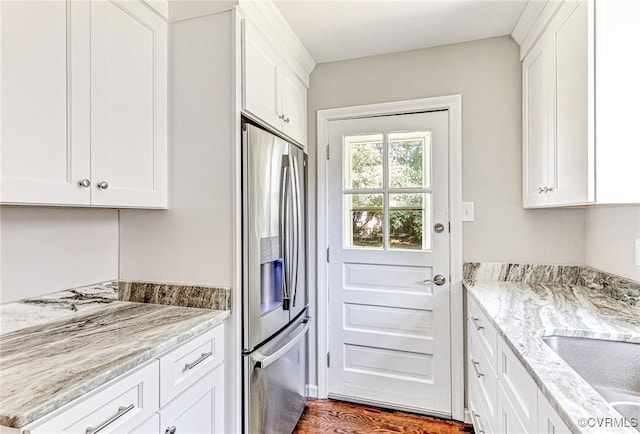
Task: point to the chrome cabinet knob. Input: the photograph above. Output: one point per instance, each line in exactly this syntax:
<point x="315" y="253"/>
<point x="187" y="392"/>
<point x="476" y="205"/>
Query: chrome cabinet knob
<point x="286" y="121"/>
<point x="541" y="190"/>
<point x="84" y="183"/>
<point x="103" y="185"/>
<point x="439" y="279"/>
<point x="170" y="430"/>
<point x="281" y="117"/>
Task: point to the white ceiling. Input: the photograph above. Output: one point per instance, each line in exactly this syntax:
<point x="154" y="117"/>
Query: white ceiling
<point x="346" y="29"/>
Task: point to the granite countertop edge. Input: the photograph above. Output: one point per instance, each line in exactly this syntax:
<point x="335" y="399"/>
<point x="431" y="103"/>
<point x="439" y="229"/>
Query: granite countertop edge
<point x="568" y="407"/>
<point x="19" y="421"/>
<point x="99" y="299"/>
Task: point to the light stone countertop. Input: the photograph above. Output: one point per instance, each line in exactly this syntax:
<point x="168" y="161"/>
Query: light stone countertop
<point x="524" y="312"/>
<point x="56" y="348"/>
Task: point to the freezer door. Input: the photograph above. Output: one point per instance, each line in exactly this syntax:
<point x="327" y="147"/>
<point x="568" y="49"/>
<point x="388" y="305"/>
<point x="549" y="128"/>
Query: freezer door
<point x="274" y="383"/>
<point x="266" y="210"/>
<point x="299" y="285"/>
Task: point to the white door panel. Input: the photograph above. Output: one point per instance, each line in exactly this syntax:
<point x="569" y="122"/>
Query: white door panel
<point x="389" y="327"/>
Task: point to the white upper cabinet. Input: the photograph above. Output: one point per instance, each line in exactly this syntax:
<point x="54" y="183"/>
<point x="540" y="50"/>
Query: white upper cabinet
<point x="44" y="156"/>
<point x="617" y="95"/>
<point x="294" y="106"/>
<point x="274" y="85"/>
<point x="570" y="156"/>
<point x="535" y="126"/>
<point x="84" y="104"/>
<point x="261" y="77"/>
<point x="128" y="105"/>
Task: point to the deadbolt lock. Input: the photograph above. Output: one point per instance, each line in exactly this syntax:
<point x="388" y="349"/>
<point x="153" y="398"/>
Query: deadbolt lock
<point x="439" y="279"/>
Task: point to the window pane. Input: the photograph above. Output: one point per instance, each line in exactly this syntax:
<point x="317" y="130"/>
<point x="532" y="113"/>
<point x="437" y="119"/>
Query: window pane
<point x="363" y="220"/>
<point x="363" y="161"/>
<point x="409" y="221"/>
<point x="409" y="159"/>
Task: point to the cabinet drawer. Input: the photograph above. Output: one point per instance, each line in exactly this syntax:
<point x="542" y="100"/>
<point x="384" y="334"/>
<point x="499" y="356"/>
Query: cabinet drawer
<point x="518" y="386"/>
<point x="118" y="407"/>
<point x="482" y="420"/>
<point x="483" y="381"/>
<point x="185" y="365"/>
<point x="485" y="331"/>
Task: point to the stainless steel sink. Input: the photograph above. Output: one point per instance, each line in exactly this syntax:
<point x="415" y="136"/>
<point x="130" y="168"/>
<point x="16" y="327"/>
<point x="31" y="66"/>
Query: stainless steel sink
<point x="610" y="367"/>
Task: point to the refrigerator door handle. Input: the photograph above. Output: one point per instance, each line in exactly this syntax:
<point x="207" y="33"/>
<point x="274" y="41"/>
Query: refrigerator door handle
<point x="263" y="361"/>
<point x="283" y="226"/>
<point x="295" y="178"/>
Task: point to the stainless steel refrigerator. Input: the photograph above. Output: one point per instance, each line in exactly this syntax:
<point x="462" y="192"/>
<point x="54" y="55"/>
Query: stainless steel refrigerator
<point x="275" y="294"/>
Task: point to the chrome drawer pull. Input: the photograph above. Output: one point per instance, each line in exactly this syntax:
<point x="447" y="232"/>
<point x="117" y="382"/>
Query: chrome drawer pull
<point x="121" y="412"/>
<point x="476" y="416"/>
<point x="475" y="368"/>
<point x="476" y="323"/>
<point x="201" y="359"/>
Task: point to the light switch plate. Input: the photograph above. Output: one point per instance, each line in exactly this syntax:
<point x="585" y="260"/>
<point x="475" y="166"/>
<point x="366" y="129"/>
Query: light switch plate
<point x="638" y="252"/>
<point x="468" y="212"/>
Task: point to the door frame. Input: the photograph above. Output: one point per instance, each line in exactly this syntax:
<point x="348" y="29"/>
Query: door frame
<point x="452" y="103"/>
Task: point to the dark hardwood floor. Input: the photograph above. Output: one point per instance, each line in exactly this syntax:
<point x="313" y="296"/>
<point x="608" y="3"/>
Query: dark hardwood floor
<point x="329" y="416"/>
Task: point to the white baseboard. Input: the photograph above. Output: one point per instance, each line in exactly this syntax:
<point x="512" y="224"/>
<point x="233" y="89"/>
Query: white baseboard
<point x="467" y="416"/>
<point x="311" y="390"/>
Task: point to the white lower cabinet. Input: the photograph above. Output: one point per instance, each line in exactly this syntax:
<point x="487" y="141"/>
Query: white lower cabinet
<point x="502" y="396"/>
<point x="119" y="407"/>
<point x="509" y="420"/>
<point x="149" y="426"/>
<point x="548" y="420"/>
<point x="190" y="377"/>
<point x="197" y="410"/>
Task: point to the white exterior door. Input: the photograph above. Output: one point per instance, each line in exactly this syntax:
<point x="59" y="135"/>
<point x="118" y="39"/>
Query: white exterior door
<point x="388" y="215"/>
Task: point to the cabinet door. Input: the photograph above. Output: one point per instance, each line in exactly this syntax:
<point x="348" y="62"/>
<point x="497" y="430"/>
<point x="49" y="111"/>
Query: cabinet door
<point x="200" y="409"/>
<point x="535" y="126"/>
<point x="128" y="105"/>
<point x="45" y="85"/>
<point x="571" y="162"/>
<point x="548" y="420"/>
<point x="261" y="77"/>
<point x="509" y="421"/>
<point x="294" y="106"/>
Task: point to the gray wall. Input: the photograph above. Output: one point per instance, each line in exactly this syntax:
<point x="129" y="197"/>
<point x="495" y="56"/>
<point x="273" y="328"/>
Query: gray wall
<point x="45" y="249"/>
<point x="192" y="241"/>
<point x="611" y="235"/>
<point x="487" y="75"/>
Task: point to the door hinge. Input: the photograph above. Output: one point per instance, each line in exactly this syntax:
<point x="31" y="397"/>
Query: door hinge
<point x="328" y="152"/>
<point x="328" y="360"/>
<point x="328" y="255"/>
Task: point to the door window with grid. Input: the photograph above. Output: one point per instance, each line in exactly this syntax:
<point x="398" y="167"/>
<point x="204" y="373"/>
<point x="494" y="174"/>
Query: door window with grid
<point x="387" y="190"/>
